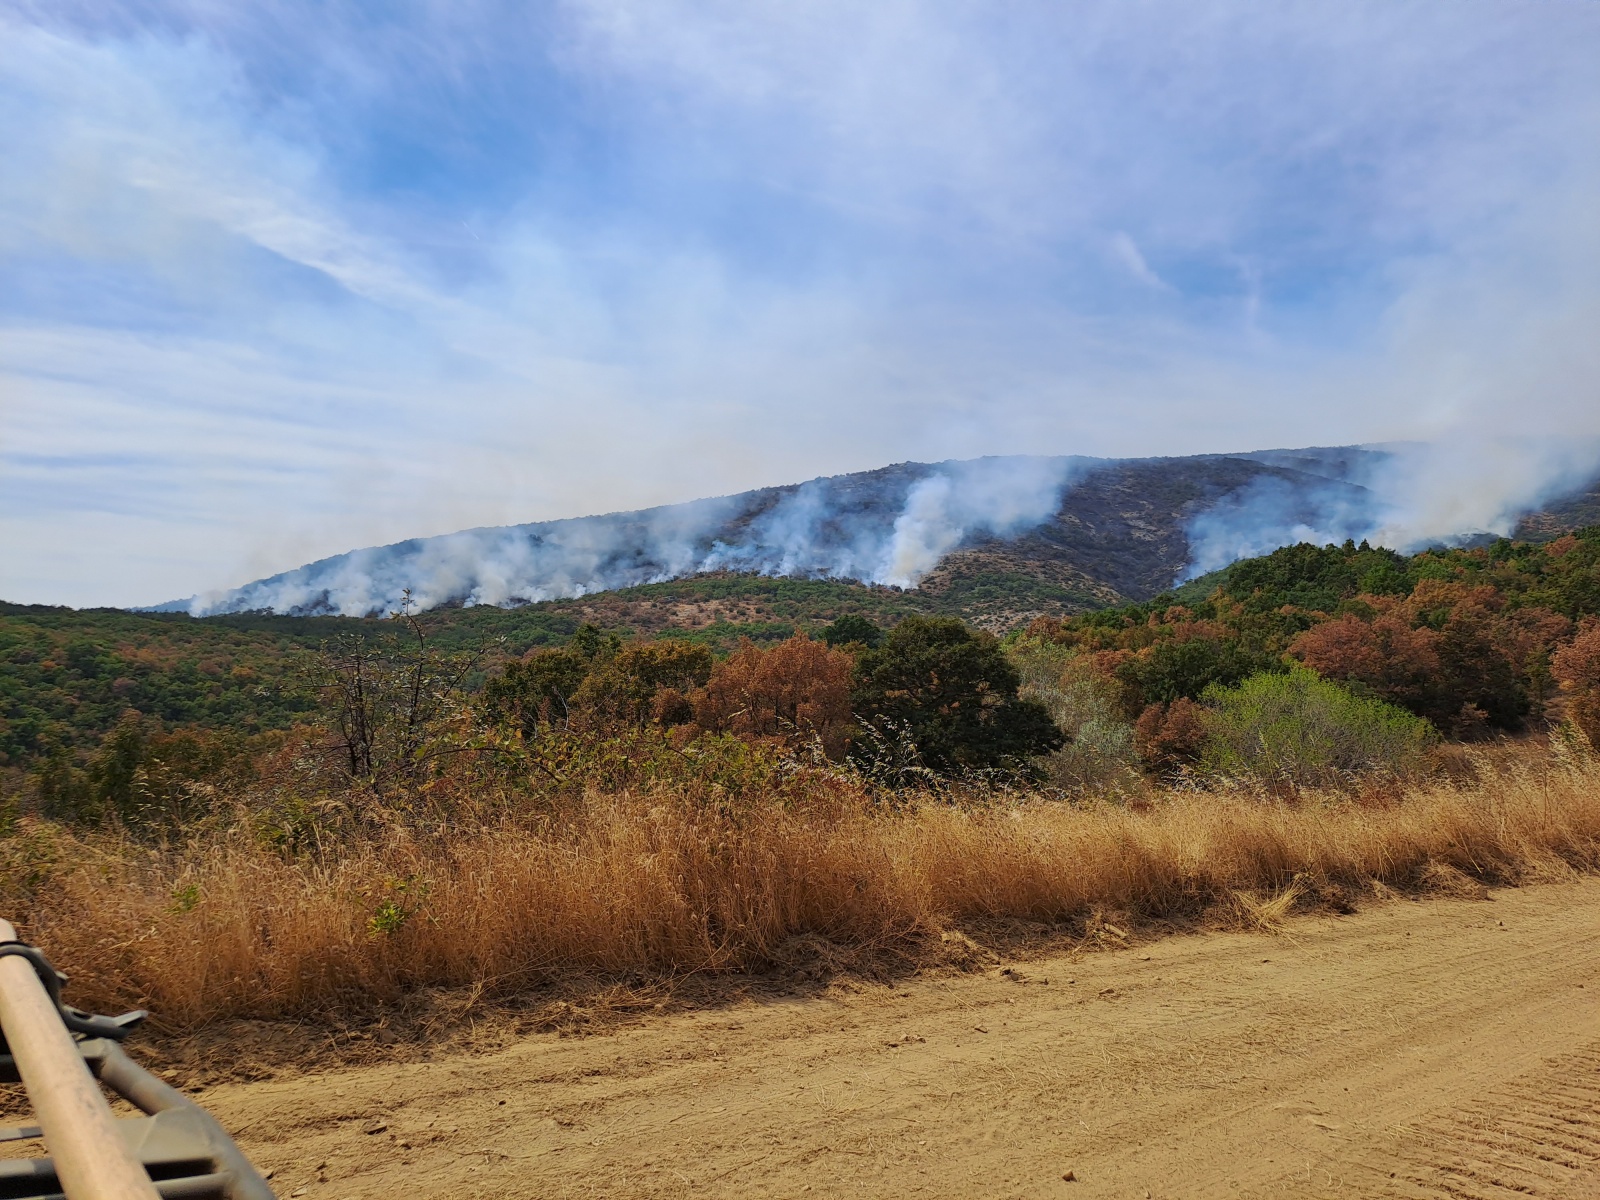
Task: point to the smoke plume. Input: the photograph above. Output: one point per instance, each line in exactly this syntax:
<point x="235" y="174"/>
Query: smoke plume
<point x="890" y="526"/>
<point x="1407" y="497"/>
<point x="894" y="525"/>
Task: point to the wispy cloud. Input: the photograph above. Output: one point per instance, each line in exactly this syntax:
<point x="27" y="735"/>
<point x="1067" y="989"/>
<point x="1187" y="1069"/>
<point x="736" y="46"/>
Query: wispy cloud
<point x="285" y="279"/>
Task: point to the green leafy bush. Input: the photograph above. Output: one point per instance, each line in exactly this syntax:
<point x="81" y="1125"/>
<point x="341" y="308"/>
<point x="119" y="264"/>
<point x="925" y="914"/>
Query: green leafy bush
<point x="955" y="691"/>
<point x="850" y="629"/>
<point x="1303" y="729"/>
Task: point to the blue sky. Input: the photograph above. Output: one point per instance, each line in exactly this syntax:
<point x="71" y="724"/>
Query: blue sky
<point x="279" y="280"/>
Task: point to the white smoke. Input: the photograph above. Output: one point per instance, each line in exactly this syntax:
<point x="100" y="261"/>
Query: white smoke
<point x="1406" y="497"/>
<point x="1473" y="485"/>
<point x="996" y="496"/>
<point x="894" y="526"/>
<point x="1268" y="513"/>
<point x="889" y="527"/>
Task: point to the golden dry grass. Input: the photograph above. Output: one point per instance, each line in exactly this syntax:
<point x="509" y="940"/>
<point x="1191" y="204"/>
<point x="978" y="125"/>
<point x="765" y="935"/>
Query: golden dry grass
<point x="651" y="886"/>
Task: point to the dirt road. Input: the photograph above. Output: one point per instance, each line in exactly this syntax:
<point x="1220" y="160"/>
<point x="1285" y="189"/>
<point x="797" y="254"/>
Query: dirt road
<point x="1441" y="1048"/>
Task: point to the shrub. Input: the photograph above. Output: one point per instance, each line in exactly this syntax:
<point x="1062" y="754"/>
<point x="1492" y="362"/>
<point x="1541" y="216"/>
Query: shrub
<point x="796" y="691"/>
<point x="385" y="696"/>
<point x="1173" y="670"/>
<point x="953" y="689"/>
<point x="1098" y="749"/>
<point x="1577" y="666"/>
<point x="537" y="689"/>
<point x="1168" y="737"/>
<point x="1303" y="729"/>
<point x="852" y="629"/>
<point x="622" y="690"/>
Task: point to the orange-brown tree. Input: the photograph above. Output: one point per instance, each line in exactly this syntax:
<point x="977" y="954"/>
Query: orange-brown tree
<point x="1577" y="666"/>
<point x="796" y="691"/>
<point x="1398" y="663"/>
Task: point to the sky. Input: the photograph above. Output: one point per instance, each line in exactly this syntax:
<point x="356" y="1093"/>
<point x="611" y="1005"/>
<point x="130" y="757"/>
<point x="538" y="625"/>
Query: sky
<point x="279" y="280"/>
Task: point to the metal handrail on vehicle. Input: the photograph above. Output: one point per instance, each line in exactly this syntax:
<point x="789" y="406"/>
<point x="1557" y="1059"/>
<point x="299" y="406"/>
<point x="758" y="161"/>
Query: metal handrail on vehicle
<point x="62" y="1057"/>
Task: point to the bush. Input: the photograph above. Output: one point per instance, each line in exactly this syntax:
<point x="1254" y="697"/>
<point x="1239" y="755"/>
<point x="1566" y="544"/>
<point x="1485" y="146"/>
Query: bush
<point x="852" y="629"/>
<point x="537" y="689"/>
<point x="622" y="690"/>
<point x="955" y="692"/>
<point x="1303" y="729"/>
<point x="792" y="693"/>
<point x="1098" y="749"/>
<point x="1169" y="737"/>
<point x="386" y="696"/>
<point x="1174" y="670"/>
<point x="142" y="776"/>
<point x="1577" y="666"/>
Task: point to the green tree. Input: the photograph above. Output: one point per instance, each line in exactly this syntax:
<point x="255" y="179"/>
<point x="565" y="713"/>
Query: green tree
<point x="852" y="628"/>
<point x="116" y="770"/>
<point x="537" y="689"/>
<point x="953" y="689"/>
<point x="1171" y="670"/>
<point x="623" y="688"/>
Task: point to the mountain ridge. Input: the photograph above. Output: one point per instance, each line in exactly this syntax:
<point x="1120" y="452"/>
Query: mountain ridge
<point x="1001" y="539"/>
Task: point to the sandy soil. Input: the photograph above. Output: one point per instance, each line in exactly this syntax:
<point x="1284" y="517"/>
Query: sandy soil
<point x="1435" y="1048"/>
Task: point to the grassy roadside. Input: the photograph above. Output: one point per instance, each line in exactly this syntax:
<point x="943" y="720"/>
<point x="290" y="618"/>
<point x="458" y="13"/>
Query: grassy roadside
<point x="633" y="888"/>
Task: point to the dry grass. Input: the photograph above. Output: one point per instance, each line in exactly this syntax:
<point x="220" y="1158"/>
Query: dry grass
<point x="630" y="887"/>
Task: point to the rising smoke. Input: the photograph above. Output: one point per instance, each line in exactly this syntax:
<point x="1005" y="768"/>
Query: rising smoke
<point x="887" y="527"/>
<point x="893" y="526"/>
<point x="1409" y="496"/>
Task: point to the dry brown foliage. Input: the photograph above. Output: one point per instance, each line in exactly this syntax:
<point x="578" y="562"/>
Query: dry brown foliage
<point x="796" y="691"/>
<point x="1577" y="666"/>
<point x="651" y="886"/>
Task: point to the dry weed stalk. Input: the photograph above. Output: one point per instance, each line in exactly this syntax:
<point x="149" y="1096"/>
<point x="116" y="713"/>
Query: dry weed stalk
<point x="636" y="887"/>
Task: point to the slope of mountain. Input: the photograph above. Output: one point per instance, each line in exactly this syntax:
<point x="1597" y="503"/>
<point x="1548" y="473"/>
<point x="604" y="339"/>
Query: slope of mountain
<point x="995" y="539"/>
<point x="1574" y="511"/>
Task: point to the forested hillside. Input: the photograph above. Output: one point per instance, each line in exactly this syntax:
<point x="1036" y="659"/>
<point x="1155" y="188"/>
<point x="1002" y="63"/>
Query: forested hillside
<point x="998" y="539"/>
<point x="67" y="675"/>
<point x="1474" y="641"/>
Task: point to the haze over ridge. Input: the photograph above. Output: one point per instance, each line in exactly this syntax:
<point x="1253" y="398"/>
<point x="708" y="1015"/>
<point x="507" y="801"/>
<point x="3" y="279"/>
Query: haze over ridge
<point x="896" y="525"/>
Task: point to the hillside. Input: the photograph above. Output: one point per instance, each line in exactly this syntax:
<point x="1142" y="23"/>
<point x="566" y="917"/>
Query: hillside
<point x="66" y="675"/>
<point x="1563" y="515"/>
<point x="1120" y="533"/>
<point x="996" y="539"/>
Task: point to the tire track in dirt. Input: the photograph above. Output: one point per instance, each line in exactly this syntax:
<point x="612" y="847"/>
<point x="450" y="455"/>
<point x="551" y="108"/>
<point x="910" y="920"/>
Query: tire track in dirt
<point x="1537" y="1136"/>
<point x="1438" y="1049"/>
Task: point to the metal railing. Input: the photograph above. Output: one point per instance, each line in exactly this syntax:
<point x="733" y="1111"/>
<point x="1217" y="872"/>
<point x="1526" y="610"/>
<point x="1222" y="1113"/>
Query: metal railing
<point x="63" y="1057"/>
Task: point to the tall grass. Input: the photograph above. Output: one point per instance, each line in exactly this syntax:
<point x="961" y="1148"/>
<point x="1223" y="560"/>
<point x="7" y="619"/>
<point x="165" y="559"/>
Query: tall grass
<point x="642" y="884"/>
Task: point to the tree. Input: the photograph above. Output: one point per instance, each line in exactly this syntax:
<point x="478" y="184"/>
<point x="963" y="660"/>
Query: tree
<point x="1577" y="666"/>
<point x="1175" y="670"/>
<point x="853" y="628"/>
<point x="1388" y="657"/>
<point x="955" y="691"/>
<point x="623" y="688"/>
<point x="386" y="697"/>
<point x="541" y="688"/>
<point x="1477" y="676"/>
<point x="536" y="689"/>
<point x="795" y="691"/>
